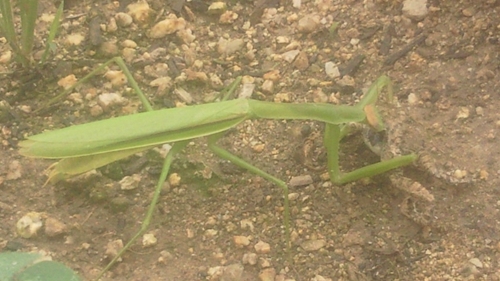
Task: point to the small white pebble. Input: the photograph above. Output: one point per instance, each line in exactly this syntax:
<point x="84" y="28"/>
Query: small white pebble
<point x="130" y="182"/>
<point x="29" y="224"/>
<point x="290" y="55"/>
<point x="264" y="263"/>
<point x="149" y="240"/>
<point x="67" y="82"/>
<point x="113" y="248"/>
<point x="75" y="39"/>
<point x="283" y="40"/>
<point x="460" y="174"/>
<point x="293" y="196"/>
<point x="108" y="100"/>
<point x="273" y="75"/>
<point x="262" y="247"/>
<point x="116" y="77"/>
<point x="140" y="12"/>
<point x="174" y="179"/>
<point x="483" y="175"/>
<point x="111" y="27"/>
<point x="313" y="245"/>
<point x="241" y="241"/>
<point x="476" y="262"/>
<point x="165" y="256"/>
<point x="228" y="17"/>
<point x="128" y="54"/>
<point x="76" y="98"/>
<point x="211" y="221"/>
<point x="491" y="135"/>
<point x="479" y="111"/>
<point x="249" y="258"/>
<point x="128" y="44"/>
<point x="247" y="224"/>
<point x="96" y="110"/>
<point x="186" y="35"/>
<point x="210" y="233"/>
<point x="25" y="108"/>
<point x="282" y="97"/>
<point x="268" y="87"/>
<point x="258" y="148"/>
<point x="5" y="57"/>
<point x="217" y="8"/>
<point x="463" y="113"/>
<point x="123" y="19"/>
<point x="412" y="99"/>
<point x="308" y="24"/>
<point x="166" y="27"/>
<point x="332" y="70"/>
<point x="109" y="48"/>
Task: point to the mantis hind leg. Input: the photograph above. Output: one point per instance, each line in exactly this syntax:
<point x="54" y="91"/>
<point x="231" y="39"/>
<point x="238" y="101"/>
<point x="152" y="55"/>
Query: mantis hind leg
<point x="224" y="154"/>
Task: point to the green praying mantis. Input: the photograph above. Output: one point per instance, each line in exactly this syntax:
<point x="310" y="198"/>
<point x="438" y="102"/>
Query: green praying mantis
<point x="81" y="149"/>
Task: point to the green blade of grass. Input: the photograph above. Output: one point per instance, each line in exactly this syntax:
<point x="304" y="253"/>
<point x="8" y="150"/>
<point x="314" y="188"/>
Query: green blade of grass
<point x="52" y="32"/>
<point x="28" y="11"/>
<point x="7" y="24"/>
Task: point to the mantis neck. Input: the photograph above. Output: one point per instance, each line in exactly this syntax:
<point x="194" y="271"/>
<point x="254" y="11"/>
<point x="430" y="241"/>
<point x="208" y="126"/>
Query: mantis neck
<point x="328" y="113"/>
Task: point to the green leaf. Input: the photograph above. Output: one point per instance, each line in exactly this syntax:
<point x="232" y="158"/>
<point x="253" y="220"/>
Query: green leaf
<point x="47" y="270"/>
<point x="15" y="266"/>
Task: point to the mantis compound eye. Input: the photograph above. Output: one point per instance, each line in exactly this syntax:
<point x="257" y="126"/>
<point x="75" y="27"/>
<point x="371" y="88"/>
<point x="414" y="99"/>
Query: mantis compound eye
<point x="373" y="117"/>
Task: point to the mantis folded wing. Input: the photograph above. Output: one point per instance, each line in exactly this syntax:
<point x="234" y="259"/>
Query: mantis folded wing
<point x="92" y="145"/>
<point x="170" y="125"/>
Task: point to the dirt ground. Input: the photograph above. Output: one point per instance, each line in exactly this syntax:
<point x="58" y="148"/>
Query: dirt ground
<point x="218" y="221"/>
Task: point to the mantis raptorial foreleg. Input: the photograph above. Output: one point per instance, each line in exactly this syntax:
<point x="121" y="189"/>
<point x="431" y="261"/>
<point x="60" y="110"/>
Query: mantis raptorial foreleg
<point x="332" y="138"/>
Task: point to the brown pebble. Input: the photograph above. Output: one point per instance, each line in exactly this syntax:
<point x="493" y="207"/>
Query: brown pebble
<point x="54" y="227"/>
